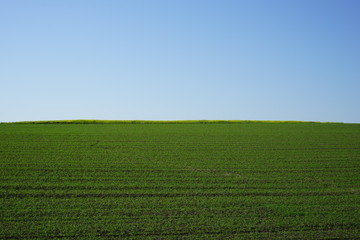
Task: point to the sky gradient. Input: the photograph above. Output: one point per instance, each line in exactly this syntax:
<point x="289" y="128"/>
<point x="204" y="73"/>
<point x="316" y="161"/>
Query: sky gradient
<point x="177" y="60"/>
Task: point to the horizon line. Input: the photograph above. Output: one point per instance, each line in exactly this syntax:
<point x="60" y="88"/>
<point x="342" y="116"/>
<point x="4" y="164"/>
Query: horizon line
<point x="203" y="121"/>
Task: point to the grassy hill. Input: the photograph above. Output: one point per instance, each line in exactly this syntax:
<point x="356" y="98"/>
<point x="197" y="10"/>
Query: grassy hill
<point x="84" y="121"/>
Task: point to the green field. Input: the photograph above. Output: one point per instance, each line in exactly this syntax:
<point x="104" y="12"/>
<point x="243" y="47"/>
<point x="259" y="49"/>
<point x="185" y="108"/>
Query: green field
<point x="244" y="180"/>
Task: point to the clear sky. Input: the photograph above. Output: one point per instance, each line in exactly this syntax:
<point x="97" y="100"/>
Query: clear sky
<point x="180" y="59"/>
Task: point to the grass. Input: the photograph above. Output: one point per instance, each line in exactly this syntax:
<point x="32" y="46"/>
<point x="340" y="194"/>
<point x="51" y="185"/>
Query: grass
<point x="180" y="181"/>
<point x="86" y="121"/>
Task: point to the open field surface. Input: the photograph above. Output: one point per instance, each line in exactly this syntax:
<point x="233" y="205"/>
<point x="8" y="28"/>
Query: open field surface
<point x="180" y="181"/>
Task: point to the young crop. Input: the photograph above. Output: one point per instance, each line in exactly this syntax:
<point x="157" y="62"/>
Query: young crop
<point x="180" y="181"/>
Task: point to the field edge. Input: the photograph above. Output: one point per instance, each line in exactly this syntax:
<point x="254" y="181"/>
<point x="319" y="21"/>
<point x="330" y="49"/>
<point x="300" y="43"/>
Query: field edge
<point x="88" y="121"/>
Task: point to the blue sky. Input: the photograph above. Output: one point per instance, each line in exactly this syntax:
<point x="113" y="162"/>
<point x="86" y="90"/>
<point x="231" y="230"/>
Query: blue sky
<point x="184" y="59"/>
